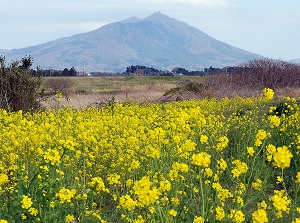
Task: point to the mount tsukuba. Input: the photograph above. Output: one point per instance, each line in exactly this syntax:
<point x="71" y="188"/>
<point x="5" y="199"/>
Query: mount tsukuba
<point x="156" y="41"/>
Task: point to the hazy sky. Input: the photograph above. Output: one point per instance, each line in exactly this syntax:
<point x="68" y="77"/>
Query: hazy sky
<point x="267" y="27"/>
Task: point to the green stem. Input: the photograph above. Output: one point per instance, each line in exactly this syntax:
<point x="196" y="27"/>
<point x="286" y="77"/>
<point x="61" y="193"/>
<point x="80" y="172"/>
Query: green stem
<point x="202" y="195"/>
<point x="253" y="164"/>
<point x="283" y="183"/>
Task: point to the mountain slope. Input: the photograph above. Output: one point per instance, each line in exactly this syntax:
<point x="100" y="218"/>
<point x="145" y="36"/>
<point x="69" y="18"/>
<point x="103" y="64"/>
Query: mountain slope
<point x="296" y="61"/>
<point x="157" y="41"/>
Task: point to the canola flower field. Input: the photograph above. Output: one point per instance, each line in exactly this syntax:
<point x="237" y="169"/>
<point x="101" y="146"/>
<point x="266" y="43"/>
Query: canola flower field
<point x="212" y="160"/>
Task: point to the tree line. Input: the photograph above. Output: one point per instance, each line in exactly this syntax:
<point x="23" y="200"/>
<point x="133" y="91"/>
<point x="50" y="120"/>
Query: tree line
<point x="138" y="70"/>
<point x="65" y="72"/>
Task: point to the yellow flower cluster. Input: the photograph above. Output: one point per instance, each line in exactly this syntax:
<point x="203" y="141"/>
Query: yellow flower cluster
<point x="3" y="179"/>
<point x="201" y="159"/>
<point x="147" y="194"/>
<point x="26" y="202"/>
<point x="222" y="165"/>
<point x="257" y="185"/>
<point x="274" y="121"/>
<point x="220" y="213"/>
<point x="237" y="216"/>
<point x="65" y="195"/>
<point x="33" y="211"/>
<point x="268" y="93"/>
<point x="222" y="143"/>
<point x="69" y="218"/>
<point x="198" y="219"/>
<point x="260" y="136"/>
<point x="259" y="216"/>
<point x="281" y="202"/>
<point x="239" y="168"/>
<point x="250" y="150"/>
<point x="204" y="139"/>
<point x="113" y="179"/>
<point x="222" y="193"/>
<point x="52" y="156"/>
<point x="187" y="161"/>
<point x="98" y="183"/>
<point x="282" y="157"/>
<point x="126" y="202"/>
<point x="270" y="150"/>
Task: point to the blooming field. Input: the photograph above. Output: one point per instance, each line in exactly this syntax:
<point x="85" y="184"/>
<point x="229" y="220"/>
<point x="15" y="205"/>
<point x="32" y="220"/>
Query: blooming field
<point x="231" y="160"/>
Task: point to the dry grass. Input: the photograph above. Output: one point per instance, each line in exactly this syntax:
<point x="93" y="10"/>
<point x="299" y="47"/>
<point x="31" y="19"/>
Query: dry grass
<point x="87" y="91"/>
<point x="96" y="91"/>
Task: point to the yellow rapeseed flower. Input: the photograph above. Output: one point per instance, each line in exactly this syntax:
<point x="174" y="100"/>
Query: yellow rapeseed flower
<point x="204" y="139"/>
<point x="239" y="168"/>
<point x="113" y="179"/>
<point x="52" y="156"/>
<point x="201" y="159"/>
<point x="198" y="219"/>
<point x="26" y="202"/>
<point x="271" y="149"/>
<point x="250" y="150"/>
<point x="70" y="218"/>
<point x="175" y="201"/>
<point x="98" y="183"/>
<point x="261" y="135"/>
<point x="3" y="179"/>
<point x="33" y="211"/>
<point x="139" y="219"/>
<point x="297" y="220"/>
<point x="274" y="121"/>
<point x="259" y="216"/>
<point x="268" y="93"/>
<point x="65" y="195"/>
<point x="208" y="172"/>
<point x="280" y="201"/>
<point x="173" y="213"/>
<point x="262" y="205"/>
<point x="237" y="216"/>
<point x="147" y="194"/>
<point x="126" y="202"/>
<point x="257" y="185"/>
<point x="220" y="213"/>
<point x="222" y="165"/>
<point x="222" y="143"/>
<point x="180" y="167"/>
<point x="282" y="157"/>
<point x="164" y="186"/>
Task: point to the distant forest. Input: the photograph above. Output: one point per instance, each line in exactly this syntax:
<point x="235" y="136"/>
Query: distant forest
<point x="138" y="70"/>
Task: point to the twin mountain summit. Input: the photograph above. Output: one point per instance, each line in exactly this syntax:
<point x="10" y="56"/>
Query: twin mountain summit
<point x="156" y="41"/>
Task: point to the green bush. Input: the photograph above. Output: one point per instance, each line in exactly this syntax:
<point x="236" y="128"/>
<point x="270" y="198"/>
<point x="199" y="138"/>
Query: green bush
<point x="18" y="85"/>
<point x="191" y="87"/>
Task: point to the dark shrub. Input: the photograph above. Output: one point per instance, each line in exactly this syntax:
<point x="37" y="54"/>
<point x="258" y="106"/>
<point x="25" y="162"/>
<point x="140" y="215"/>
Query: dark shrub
<point x="267" y="73"/>
<point x="18" y="85"/>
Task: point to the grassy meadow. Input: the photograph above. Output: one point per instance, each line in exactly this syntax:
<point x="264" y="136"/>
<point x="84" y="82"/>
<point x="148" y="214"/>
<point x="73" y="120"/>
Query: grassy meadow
<point x="80" y="92"/>
<point x="226" y="159"/>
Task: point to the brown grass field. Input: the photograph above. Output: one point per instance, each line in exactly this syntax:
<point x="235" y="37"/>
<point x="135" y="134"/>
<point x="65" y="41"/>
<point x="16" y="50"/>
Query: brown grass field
<point x="79" y="92"/>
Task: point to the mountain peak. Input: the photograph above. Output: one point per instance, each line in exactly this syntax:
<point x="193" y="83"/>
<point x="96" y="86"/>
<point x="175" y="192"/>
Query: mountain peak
<point x="156" y="41"/>
<point x="156" y="16"/>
